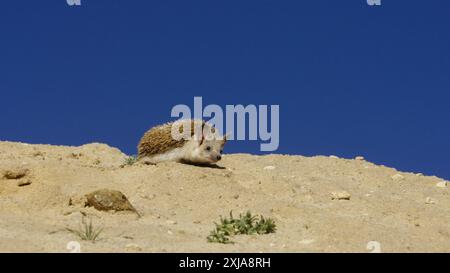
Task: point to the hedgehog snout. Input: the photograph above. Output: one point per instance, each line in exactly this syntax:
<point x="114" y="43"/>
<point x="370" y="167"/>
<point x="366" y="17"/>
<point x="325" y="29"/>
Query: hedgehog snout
<point x="214" y="157"/>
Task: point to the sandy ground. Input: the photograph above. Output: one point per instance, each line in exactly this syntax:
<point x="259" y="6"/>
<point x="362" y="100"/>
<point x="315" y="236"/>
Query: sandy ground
<point x="401" y="212"/>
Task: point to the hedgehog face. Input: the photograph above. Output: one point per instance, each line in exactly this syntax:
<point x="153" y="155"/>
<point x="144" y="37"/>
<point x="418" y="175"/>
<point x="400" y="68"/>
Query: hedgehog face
<point x="209" y="151"/>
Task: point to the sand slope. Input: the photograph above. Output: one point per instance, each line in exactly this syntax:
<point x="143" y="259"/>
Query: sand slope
<point x="179" y="203"/>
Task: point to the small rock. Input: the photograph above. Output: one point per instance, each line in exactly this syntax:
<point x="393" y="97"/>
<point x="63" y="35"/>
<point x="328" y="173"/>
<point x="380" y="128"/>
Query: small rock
<point x="67" y="212"/>
<point x="97" y="162"/>
<point x="38" y="153"/>
<point x="340" y="195"/>
<point x="419" y="174"/>
<point x="171" y="222"/>
<point x="429" y="200"/>
<point x="16" y="173"/>
<point x="359" y="158"/>
<point x="397" y="177"/>
<point x="22" y="183"/>
<point x="133" y="247"/>
<point x="375" y="246"/>
<point x="109" y="200"/>
<point x="169" y="232"/>
<point x="441" y="184"/>
<point x="75" y="155"/>
<point x="269" y="168"/>
<point x="334" y="157"/>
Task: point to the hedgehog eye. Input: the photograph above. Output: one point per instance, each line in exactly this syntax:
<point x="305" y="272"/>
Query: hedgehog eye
<point x="208" y="148"/>
<point x="221" y="151"/>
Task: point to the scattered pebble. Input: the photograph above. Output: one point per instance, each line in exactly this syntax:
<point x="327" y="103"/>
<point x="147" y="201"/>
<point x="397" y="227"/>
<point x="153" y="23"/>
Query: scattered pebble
<point x="75" y="155"/>
<point x="171" y="222"/>
<point x="16" y="173"/>
<point x="359" y="158"/>
<point x="333" y="156"/>
<point x="133" y="247"/>
<point x="269" y="168"/>
<point x="38" y="153"/>
<point x="374" y="246"/>
<point x="169" y="232"/>
<point x="429" y="200"/>
<point x="340" y="195"/>
<point x="397" y="177"/>
<point x="67" y="212"/>
<point x="441" y="184"/>
<point x="22" y="183"/>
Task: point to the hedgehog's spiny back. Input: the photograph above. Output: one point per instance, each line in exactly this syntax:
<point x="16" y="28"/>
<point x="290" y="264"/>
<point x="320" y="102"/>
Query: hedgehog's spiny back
<point x="159" y="140"/>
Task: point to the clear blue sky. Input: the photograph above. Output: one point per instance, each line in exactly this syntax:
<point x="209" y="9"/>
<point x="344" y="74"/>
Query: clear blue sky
<point x="350" y="79"/>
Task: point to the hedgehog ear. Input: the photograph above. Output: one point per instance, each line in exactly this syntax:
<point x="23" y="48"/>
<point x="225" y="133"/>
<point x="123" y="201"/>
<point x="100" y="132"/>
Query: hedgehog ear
<point x="203" y="135"/>
<point x="201" y="140"/>
<point x="226" y="137"/>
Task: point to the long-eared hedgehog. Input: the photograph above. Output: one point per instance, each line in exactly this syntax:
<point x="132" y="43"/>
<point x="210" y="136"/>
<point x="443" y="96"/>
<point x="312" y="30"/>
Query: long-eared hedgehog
<point x="187" y="141"/>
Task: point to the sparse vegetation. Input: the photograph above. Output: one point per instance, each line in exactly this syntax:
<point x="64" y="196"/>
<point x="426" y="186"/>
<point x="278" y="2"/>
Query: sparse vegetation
<point x="130" y="160"/>
<point x="245" y="224"/>
<point x="86" y="231"/>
